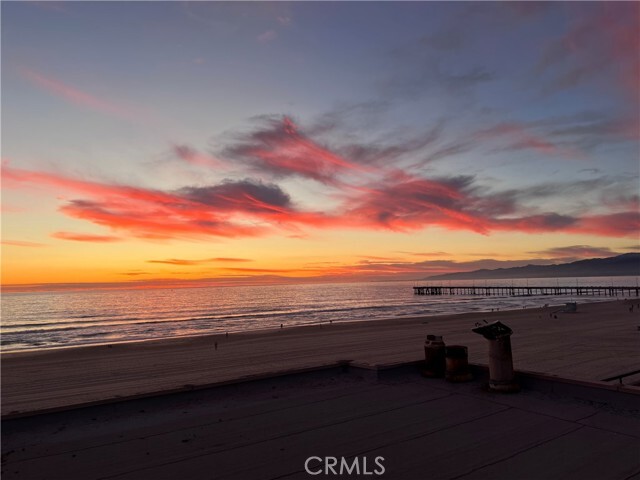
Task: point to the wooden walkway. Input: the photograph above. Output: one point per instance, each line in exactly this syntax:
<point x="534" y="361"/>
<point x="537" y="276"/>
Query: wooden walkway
<point x="529" y="291"/>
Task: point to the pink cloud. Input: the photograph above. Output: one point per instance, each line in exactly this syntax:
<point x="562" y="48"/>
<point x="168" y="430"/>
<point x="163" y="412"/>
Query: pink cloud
<point x="248" y="208"/>
<point x="620" y="224"/>
<point x="20" y="243"/>
<point x="77" y="96"/>
<point x="267" y="36"/>
<point x="229" y="209"/>
<point x="522" y="137"/>
<point x="406" y="203"/>
<point x="602" y="40"/>
<point x="190" y="155"/>
<point x="279" y="147"/>
<point x="85" y="237"/>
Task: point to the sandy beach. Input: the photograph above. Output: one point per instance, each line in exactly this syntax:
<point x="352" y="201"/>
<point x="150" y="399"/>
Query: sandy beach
<point x="599" y="341"/>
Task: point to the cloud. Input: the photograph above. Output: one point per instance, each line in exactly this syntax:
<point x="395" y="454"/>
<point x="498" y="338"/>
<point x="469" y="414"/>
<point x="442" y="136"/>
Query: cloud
<point x="183" y="262"/>
<point x="232" y="260"/>
<point x="419" y="76"/>
<point x="405" y="203"/>
<point x="396" y="201"/>
<point x="84" y="237"/>
<point x="602" y="40"/>
<point x="278" y="147"/>
<point x="229" y="209"/>
<point x="21" y="243"/>
<point x="192" y="156"/>
<point x="77" y="96"/>
<point x="577" y="251"/>
<point x="267" y="36"/>
<point x="385" y="153"/>
<point x="620" y="224"/>
<point x="450" y="149"/>
<point x="520" y="136"/>
<point x="245" y="195"/>
<point x="349" y="116"/>
<point x="256" y="270"/>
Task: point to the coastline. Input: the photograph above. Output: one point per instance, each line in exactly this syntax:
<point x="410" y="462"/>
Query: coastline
<point x="579" y="346"/>
<point x="93" y="318"/>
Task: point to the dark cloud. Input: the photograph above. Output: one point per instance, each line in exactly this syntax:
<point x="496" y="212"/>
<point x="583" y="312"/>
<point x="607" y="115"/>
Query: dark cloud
<point x="245" y="195"/>
<point x="577" y="251"/>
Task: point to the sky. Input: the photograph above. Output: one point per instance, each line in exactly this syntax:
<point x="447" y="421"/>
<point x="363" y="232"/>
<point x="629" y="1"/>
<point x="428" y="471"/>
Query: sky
<point x="258" y="142"/>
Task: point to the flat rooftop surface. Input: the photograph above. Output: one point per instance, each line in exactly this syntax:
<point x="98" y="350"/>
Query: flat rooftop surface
<point x="267" y="429"/>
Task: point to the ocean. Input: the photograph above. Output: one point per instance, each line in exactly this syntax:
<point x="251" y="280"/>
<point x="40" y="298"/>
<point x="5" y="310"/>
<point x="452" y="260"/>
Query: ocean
<point x="37" y="320"/>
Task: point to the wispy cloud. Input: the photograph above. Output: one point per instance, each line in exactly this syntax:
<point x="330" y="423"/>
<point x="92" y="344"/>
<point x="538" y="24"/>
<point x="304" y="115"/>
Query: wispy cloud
<point x="194" y="157"/>
<point x="257" y="270"/>
<point x="85" y="237"/>
<point x="602" y="40"/>
<point x="79" y="97"/>
<point x="21" y="243"/>
<point x="576" y="251"/>
<point x="280" y="148"/>
<point x="268" y="36"/>
<point x="428" y="254"/>
<point x="519" y="136"/>
<point x="185" y="262"/>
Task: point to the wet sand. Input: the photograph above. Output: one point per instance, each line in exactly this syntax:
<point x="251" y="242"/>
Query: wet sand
<point x="599" y="341"/>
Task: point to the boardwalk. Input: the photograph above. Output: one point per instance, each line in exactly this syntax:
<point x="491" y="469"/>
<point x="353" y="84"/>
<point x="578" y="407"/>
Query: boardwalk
<point x="529" y="291"/>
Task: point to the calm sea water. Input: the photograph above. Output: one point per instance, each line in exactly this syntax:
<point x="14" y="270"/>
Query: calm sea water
<point x="32" y="320"/>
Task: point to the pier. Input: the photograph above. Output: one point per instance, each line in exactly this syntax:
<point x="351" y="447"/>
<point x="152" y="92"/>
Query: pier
<point x="528" y="291"/>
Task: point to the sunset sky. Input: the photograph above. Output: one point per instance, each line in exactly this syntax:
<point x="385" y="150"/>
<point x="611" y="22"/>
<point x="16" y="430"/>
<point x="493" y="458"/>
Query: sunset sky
<point x="256" y="142"/>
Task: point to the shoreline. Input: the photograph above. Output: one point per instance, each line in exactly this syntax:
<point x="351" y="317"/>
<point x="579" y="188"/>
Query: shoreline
<point x="579" y="346"/>
<point x="267" y="330"/>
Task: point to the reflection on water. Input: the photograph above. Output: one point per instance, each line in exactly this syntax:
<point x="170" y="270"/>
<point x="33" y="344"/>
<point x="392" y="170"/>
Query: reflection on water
<point x="46" y="319"/>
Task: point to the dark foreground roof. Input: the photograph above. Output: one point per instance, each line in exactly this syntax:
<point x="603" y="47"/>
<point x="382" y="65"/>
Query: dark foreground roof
<point x="267" y="429"/>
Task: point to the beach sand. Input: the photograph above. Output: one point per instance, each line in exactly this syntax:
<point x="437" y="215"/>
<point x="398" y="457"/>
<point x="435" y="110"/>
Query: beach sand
<point x="599" y="341"/>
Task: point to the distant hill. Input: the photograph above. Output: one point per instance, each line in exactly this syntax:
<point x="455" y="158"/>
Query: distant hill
<point x="621" y="265"/>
